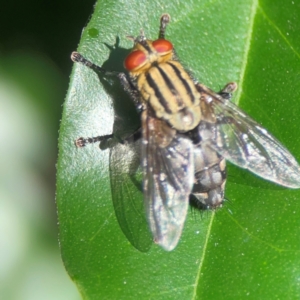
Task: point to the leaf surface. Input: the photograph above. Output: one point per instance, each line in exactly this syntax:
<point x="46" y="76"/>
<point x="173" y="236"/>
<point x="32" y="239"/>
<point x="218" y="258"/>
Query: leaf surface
<point x="249" y="248"/>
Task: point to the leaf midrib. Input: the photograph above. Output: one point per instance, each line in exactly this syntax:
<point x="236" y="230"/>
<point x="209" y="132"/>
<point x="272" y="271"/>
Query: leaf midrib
<point x="255" y="6"/>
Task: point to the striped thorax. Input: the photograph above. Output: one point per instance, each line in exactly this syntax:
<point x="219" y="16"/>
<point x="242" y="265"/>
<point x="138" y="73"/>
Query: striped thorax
<point x="163" y="83"/>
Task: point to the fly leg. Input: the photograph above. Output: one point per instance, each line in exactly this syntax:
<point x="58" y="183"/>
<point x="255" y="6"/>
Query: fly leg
<point x="227" y="90"/>
<point x="128" y="87"/>
<point x="124" y="79"/>
<point x="82" y="142"/>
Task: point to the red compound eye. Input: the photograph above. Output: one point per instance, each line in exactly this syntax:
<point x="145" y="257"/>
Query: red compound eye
<point x="134" y="60"/>
<point x="162" y="46"/>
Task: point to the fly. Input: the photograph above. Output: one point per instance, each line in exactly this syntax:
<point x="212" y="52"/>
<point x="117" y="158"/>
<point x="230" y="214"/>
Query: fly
<point x="187" y="132"/>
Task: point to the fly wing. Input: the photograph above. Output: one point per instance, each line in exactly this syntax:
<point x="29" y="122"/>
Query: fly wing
<point x="245" y="143"/>
<point x="168" y="172"/>
<point x="126" y="178"/>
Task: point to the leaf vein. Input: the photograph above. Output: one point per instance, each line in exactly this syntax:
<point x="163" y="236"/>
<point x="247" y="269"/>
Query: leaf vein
<point x="254" y="8"/>
<point x="279" y="31"/>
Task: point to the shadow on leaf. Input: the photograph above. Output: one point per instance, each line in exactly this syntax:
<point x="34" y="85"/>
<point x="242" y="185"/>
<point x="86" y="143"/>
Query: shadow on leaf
<point x="126" y="181"/>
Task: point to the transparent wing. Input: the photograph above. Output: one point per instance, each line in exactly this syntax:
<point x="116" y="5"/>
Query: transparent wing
<point x="245" y="143"/>
<point x="125" y="172"/>
<point x="126" y="187"/>
<point x="168" y="167"/>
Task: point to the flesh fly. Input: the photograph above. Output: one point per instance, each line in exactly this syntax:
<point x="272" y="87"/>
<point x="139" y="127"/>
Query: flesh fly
<point x="187" y="132"/>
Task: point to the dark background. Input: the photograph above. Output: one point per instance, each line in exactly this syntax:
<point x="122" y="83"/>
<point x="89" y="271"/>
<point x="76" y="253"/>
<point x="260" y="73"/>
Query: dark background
<point x="36" y="39"/>
<point x="52" y="28"/>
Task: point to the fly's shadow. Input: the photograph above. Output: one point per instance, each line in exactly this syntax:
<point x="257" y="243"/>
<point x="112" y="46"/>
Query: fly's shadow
<point x="126" y="118"/>
<point x="125" y="173"/>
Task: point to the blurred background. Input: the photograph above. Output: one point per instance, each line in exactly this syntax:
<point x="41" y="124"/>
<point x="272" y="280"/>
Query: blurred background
<point x="36" y="39"/>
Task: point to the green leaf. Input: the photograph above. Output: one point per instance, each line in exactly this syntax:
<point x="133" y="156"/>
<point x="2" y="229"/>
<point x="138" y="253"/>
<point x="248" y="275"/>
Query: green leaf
<point x="249" y="248"/>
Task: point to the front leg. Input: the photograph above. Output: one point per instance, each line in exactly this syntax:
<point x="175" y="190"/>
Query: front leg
<point x="125" y="81"/>
<point x="128" y="86"/>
